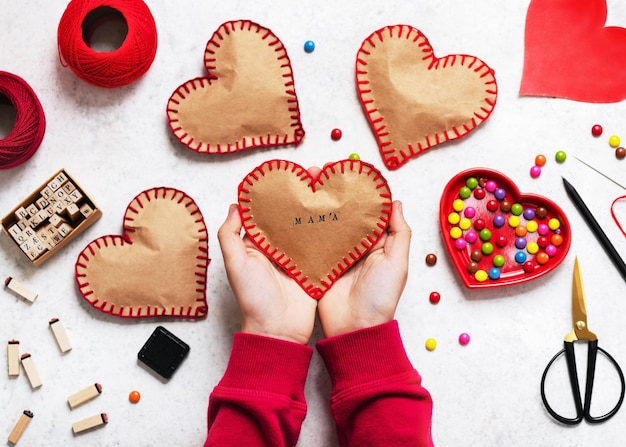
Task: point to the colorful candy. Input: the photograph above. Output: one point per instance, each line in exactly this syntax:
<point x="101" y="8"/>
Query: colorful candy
<point x="499" y="233"/>
<point x="464" y="339"/>
<point x="560" y="156"/>
<point x="434" y="297"/>
<point x="431" y="259"/>
<point x="596" y="130"/>
<point x="336" y="134"/>
<point x="431" y="344"/>
<point x="540" y="160"/>
<point x="614" y="141"/>
<point x="309" y="46"/>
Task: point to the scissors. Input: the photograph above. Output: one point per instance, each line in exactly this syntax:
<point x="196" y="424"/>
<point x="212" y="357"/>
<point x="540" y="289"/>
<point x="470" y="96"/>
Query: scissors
<point x="581" y="332"/>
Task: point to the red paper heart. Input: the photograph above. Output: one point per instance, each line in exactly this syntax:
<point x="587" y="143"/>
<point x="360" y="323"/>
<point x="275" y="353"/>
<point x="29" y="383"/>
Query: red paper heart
<point x="414" y="100"/>
<point x="315" y="229"/>
<point x="157" y="267"/>
<point x="247" y="100"/>
<point x="492" y="202"/>
<point x="569" y="53"/>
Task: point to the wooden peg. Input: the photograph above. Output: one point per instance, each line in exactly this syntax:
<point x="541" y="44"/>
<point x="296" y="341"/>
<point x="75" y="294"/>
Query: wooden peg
<point x="84" y="395"/>
<point x="13" y="357"/>
<point x="20" y="289"/>
<point x="31" y="371"/>
<point x="20" y="427"/>
<point x="90" y="423"/>
<point x="58" y="330"/>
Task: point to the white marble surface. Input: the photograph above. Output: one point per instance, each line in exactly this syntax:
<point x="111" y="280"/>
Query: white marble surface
<point x="117" y="143"/>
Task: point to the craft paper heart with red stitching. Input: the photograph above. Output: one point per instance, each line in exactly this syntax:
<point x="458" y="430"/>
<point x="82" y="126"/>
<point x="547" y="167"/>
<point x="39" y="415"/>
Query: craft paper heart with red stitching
<point x="247" y="100"/>
<point x="315" y="229"/>
<point x="498" y="236"/>
<point x="157" y="267"/>
<point x="414" y="100"/>
<point x="570" y="53"/>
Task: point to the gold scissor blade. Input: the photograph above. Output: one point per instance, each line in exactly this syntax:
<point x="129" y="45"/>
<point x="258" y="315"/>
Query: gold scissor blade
<point x="579" y="310"/>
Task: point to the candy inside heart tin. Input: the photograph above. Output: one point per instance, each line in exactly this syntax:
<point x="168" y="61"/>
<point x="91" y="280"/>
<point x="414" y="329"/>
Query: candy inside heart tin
<point x="498" y="236"/>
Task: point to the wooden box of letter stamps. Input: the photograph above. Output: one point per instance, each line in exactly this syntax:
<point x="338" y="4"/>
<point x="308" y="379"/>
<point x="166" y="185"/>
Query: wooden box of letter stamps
<point x="48" y="219"/>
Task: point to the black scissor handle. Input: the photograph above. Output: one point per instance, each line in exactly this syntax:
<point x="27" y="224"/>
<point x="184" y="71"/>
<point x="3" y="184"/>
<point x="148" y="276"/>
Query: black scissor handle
<point x="582" y="410"/>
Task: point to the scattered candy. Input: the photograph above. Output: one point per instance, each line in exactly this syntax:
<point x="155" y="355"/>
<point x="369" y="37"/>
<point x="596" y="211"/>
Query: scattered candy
<point x="309" y="46"/>
<point x="464" y="339"/>
<point x="431" y="344"/>
<point x="354" y="156"/>
<point x="434" y="297"/>
<point x="596" y="130"/>
<point x="614" y="141"/>
<point x="535" y="171"/>
<point x="620" y="153"/>
<point x="431" y="259"/>
<point x="540" y="160"/>
<point x="335" y="134"/>
<point x="134" y="396"/>
<point x="560" y="156"/>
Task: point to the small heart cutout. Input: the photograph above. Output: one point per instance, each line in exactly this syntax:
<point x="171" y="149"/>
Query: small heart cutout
<point x="157" y="268"/>
<point x="315" y="229"/>
<point x="570" y="53"/>
<point x="414" y="100"/>
<point x="247" y="100"/>
<point x="497" y="236"/>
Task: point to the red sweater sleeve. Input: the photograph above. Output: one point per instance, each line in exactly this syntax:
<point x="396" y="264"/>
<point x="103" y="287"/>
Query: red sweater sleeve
<point x="377" y="398"/>
<point x="260" y="399"/>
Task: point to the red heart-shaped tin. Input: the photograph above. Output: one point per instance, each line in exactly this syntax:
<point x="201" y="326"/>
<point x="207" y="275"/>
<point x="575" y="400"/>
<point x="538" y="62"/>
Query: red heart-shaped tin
<point x="496" y="235"/>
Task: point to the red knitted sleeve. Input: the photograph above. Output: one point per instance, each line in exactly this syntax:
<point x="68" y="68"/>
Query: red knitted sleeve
<point x="377" y="398"/>
<point x="260" y="399"/>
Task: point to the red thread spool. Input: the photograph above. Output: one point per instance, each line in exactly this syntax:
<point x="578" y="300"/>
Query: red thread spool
<point x="115" y="68"/>
<point x="30" y="122"/>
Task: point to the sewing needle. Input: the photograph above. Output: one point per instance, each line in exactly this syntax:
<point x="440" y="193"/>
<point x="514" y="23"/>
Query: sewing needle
<point x="601" y="173"/>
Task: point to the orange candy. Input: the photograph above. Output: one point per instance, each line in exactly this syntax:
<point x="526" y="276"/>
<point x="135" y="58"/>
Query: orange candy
<point x="540" y="160"/>
<point x="134" y="396"/>
<point x="542" y="258"/>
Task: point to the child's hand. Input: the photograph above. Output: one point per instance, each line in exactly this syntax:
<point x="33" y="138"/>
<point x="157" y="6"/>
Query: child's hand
<point x="368" y="293"/>
<point x="271" y="303"/>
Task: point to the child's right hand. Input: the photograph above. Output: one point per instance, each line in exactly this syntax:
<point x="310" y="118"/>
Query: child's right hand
<point x="368" y="294"/>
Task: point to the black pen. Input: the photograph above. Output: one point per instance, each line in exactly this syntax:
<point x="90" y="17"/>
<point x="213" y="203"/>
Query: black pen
<point x="595" y="228"/>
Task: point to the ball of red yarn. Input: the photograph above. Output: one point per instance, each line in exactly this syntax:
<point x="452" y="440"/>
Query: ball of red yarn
<point x="30" y="122"/>
<point x="107" y="69"/>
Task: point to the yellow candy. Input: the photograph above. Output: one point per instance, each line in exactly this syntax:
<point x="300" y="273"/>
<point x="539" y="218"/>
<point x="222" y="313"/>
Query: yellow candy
<point x="514" y="221"/>
<point x="532" y="248"/>
<point x="458" y="205"/>
<point x="481" y="276"/>
<point x="453" y="218"/>
<point x="614" y="141"/>
<point x="554" y="224"/>
<point x="456" y="233"/>
<point x="465" y="223"/>
<point x="531" y="226"/>
<point x="431" y="344"/>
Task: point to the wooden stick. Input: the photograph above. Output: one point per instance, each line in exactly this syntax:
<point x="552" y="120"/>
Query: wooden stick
<point x="20" y="426"/>
<point x="84" y="395"/>
<point x="58" y="330"/>
<point x="90" y="423"/>
<point x="13" y="357"/>
<point x="20" y="289"/>
<point x="31" y="371"/>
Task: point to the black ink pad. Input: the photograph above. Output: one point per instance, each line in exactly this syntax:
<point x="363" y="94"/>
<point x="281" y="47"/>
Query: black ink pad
<point x="163" y="352"/>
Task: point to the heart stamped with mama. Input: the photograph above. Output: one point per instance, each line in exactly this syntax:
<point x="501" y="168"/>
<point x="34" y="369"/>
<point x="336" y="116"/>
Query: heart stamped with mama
<point x="498" y="236"/>
<point x="414" y="100"/>
<point x="157" y="267"/>
<point x="248" y="98"/>
<point x="315" y="228"/>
